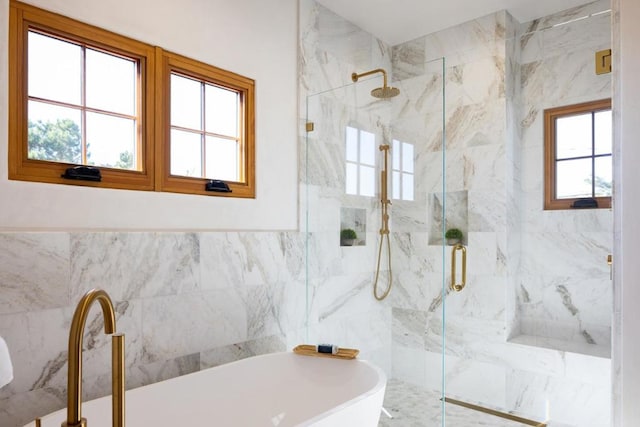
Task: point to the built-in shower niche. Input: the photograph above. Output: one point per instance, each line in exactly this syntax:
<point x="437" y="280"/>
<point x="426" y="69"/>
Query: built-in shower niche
<point x="456" y="213"/>
<point x="353" y="219"/>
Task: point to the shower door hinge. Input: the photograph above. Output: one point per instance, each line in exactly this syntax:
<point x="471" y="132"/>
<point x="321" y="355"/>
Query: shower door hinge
<point x="309" y="126"/>
<point x="603" y="61"/>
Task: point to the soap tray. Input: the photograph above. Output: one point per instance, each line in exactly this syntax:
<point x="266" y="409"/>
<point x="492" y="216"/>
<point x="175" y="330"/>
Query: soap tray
<point x="310" y="350"/>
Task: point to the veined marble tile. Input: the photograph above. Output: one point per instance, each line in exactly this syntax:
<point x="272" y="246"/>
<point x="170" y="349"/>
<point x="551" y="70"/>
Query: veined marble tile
<point x="482" y="298"/>
<point x="564" y="400"/>
<point x="476" y="82"/>
<point x="577" y="68"/>
<point x="409" y="328"/>
<point x="408" y="59"/>
<point x="242" y="350"/>
<point x="475" y="381"/>
<point x="582" y="254"/>
<point x="487" y="211"/>
<point x="263" y="307"/>
<point x="484" y="174"/>
<point x="134" y="265"/>
<point x="35" y="271"/>
<point x="184" y="324"/>
<point x="350" y="295"/>
<point x="38" y="344"/>
<point x="592" y="33"/>
<point x="416" y="290"/>
<point x="22" y="408"/>
<point x="475" y="125"/>
<point x="477" y="36"/>
<point x="410" y="365"/>
<point x="232" y="260"/>
<point x="567" y="16"/>
<point x="145" y="374"/>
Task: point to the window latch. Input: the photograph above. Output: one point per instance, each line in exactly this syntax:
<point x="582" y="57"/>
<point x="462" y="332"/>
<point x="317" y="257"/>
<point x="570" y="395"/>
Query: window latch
<point x="217" y="185"/>
<point x="587" y="203"/>
<point x="82" y="173"/>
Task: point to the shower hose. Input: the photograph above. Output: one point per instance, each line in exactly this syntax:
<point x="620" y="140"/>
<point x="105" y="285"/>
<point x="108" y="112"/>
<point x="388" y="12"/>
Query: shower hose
<point x="384" y="234"/>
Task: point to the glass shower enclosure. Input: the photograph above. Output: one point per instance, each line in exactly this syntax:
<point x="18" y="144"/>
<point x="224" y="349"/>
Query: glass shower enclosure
<point x="376" y="288"/>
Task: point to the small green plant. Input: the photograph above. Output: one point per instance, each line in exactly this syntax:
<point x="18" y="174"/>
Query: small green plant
<point x="453" y="233"/>
<point x="348" y="234"/>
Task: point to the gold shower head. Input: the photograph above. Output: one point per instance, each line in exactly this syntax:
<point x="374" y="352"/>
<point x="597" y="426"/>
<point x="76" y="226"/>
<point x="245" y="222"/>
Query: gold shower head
<point x="379" y="92"/>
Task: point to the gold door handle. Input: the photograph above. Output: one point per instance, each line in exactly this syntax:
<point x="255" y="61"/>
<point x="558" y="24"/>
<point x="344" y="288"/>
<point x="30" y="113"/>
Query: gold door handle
<point x="454" y="285"/>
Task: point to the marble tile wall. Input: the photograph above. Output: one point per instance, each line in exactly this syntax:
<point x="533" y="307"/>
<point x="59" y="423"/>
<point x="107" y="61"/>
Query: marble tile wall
<point x="185" y="301"/>
<point x="563" y="287"/>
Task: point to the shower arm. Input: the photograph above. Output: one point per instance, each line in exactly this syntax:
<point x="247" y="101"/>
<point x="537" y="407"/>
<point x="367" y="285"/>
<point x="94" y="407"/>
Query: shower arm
<point x="355" y="76"/>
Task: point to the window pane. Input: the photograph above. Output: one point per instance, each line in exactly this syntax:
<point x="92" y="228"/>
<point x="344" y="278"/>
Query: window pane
<point x="603" y="176"/>
<point x="352" y="144"/>
<point x="407" y="157"/>
<point x="111" y="141"/>
<point x="54" y="133"/>
<point x="395" y="155"/>
<point x="573" y="178"/>
<point x="407" y="186"/>
<point x="603" y="132"/>
<point x="54" y="69"/>
<point x="352" y="179"/>
<point x="186" y="154"/>
<point x="573" y="136"/>
<point x="367" y="148"/>
<point x="111" y="83"/>
<point x="186" y="107"/>
<point x="395" y="182"/>
<point x="221" y="106"/>
<point x="367" y="181"/>
<point x="221" y="159"/>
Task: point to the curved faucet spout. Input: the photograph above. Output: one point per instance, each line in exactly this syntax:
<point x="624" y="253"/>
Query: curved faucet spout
<point x="74" y="383"/>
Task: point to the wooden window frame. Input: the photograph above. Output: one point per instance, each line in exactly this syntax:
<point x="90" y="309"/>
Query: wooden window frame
<point x="22" y="18"/>
<point x="551" y="202"/>
<point x="174" y="63"/>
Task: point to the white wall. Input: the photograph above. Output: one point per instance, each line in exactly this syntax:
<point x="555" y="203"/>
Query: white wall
<point x="250" y="37"/>
<point x="627" y="230"/>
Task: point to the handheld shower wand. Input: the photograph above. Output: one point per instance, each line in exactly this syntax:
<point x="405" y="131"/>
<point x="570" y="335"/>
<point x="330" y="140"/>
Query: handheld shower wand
<point x="384" y="229"/>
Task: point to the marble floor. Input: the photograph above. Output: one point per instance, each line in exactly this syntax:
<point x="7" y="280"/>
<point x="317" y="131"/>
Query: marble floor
<point x="412" y="406"/>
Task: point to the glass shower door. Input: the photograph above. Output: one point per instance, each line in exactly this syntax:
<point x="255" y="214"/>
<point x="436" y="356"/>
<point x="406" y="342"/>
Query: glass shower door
<point x="349" y="132"/>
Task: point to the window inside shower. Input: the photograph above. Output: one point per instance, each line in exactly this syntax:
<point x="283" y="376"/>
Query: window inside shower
<point x="360" y="162"/>
<point x="402" y="170"/>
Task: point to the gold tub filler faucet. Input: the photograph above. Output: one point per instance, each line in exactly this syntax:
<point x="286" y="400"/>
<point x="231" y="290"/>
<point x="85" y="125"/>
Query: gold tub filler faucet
<point x="74" y="384"/>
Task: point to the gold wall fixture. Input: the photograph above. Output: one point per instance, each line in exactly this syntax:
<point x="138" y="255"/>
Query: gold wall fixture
<point x="454" y="285"/>
<point x="603" y="61"/>
<point x="74" y="383"/>
<point x="309" y="126"/>
<point x="493" y="412"/>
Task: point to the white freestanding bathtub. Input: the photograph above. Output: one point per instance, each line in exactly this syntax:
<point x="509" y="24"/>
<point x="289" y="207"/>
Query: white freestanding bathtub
<point x="279" y="389"/>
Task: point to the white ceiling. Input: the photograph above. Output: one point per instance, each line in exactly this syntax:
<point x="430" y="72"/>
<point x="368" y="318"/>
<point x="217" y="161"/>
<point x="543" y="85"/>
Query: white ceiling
<point x="397" y="21"/>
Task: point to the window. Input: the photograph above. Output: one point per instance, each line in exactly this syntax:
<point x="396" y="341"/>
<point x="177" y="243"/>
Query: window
<point x="209" y="127"/>
<point x="360" y="162"/>
<point x="79" y="95"/>
<point x="402" y="170"/>
<point x="146" y="118"/>
<point x="578" y="154"/>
